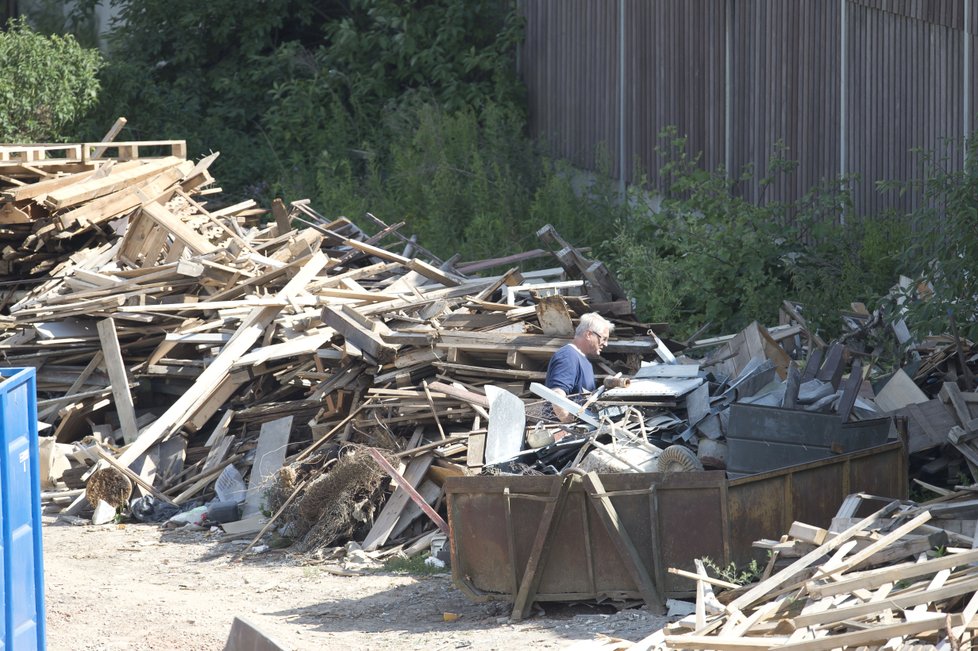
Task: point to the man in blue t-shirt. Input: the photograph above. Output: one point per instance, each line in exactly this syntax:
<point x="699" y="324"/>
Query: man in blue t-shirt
<point x="569" y="372"/>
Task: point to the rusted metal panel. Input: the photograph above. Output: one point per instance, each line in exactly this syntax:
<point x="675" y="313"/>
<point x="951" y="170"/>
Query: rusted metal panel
<point x="672" y="519"/>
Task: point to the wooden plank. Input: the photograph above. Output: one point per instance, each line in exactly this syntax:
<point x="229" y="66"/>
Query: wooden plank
<point x="833" y="366"/>
<point x="40" y="188"/>
<point x="220" y="394"/>
<point x="905" y="600"/>
<point x="273" y="440"/>
<point x="786" y="574"/>
<point x="116" y="180"/>
<point x="431" y="492"/>
<point x="540" y="551"/>
<point x="396" y="476"/>
<point x="879" y="545"/>
<point x="899" y="392"/>
<point x="117" y="203"/>
<point x="387" y="519"/>
<point x="116" y="369"/>
<point x="221" y="429"/>
<point x="950" y="393"/>
<point x="342" y="320"/>
<point x="627" y="551"/>
<point x="554" y="317"/>
<point x="189" y="237"/>
<point x="850" y="391"/>
<point x="418" y="266"/>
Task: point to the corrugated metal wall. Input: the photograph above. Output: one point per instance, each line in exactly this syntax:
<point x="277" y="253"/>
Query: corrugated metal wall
<point x="570" y="65"/>
<point x="739" y="76"/>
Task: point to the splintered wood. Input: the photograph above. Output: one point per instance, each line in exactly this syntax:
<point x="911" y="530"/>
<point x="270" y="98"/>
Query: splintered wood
<point x="153" y="312"/>
<point x="858" y="585"/>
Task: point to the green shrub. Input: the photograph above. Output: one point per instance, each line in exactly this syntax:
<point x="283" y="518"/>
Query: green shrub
<point x="942" y="252"/>
<point x="46" y="82"/>
<point x="706" y="255"/>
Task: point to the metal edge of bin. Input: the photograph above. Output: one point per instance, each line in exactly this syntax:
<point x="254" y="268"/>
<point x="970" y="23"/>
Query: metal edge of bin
<point x="12" y="379"/>
<point x="483" y="546"/>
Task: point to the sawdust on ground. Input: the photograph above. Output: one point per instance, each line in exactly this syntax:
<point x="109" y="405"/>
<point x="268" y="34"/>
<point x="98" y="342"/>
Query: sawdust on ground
<point x="122" y="587"/>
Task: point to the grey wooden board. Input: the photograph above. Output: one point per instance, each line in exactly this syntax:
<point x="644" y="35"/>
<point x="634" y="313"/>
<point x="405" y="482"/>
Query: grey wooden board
<point x="710" y="427"/>
<point x="389" y="515"/>
<point x="793" y="383"/>
<point x="698" y="404"/>
<point x="116" y="368"/>
<point x="833" y="366"/>
<point x="146" y="467"/>
<point x="430" y="491"/>
<point x="812" y="365"/>
<point x="928" y="424"/>
<point x="507" y="422"/>
<point x="654" y="388"/>
<point x="171" y="454"/>
<point x="269" y="457"/>
<point x="476" y="451"/>
<point x="246" y="636"/>
<point x="667" y="370"/>
<point x="899" y="392"/>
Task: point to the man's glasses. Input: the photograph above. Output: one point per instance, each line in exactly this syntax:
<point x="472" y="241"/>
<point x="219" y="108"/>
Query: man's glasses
<point x="602" y="339"/>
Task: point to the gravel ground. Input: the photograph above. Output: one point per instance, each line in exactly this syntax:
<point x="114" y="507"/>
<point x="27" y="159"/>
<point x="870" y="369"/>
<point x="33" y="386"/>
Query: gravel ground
<point x="123" y="587"/>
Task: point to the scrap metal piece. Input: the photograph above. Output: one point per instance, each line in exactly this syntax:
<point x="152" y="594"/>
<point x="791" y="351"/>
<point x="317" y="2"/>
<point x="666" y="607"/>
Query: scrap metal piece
<point x="678" y="458"/>
<point x="507" y="422"/>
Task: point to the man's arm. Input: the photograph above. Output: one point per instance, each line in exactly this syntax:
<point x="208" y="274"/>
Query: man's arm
<point x="562" y="415"/>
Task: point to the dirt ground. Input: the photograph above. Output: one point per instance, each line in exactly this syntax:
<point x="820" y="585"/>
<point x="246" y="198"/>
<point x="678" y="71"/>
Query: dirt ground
<point x="135" y="586"/>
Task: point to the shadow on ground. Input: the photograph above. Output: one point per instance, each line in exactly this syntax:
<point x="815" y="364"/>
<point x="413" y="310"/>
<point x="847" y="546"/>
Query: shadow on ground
<point x="423" y="604"/>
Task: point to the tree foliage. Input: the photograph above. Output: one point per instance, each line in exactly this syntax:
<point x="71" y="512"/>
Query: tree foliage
<point x="279" y="84"/>
<point x="411" y="110"/>
<point x="941" y="257"/>
<point x="46" y="82"/>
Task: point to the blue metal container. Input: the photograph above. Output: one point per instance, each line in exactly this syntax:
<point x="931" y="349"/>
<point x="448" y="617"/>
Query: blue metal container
<point x="22" y="570"/>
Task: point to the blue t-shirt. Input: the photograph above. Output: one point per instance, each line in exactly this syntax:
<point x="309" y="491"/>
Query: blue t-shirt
<point x="570" y="371"/>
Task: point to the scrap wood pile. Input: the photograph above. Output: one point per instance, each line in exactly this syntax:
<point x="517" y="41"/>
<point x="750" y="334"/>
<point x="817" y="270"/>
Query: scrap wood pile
<point x="191" y="352"/>
<point x="182" y="350"/>
<point x="901" y="577"/>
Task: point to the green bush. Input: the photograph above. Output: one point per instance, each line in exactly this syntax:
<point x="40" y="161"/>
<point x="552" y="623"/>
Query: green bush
<point x="46" y="82"/>
<point x="707" y="256"/>
<point x="942" y="252"/>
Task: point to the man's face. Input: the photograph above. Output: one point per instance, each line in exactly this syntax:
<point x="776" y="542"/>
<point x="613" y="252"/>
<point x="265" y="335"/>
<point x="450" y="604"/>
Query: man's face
<point x="596" y="340"/>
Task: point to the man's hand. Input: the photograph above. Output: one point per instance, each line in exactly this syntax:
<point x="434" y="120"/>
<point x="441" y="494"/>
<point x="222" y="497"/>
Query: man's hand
<point x="562" y="414"/>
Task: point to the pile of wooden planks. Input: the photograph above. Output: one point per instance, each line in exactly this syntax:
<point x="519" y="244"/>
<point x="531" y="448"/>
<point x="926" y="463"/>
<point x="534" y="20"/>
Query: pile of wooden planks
<point x="878" y="581"/>
<point x="173" y="339"/>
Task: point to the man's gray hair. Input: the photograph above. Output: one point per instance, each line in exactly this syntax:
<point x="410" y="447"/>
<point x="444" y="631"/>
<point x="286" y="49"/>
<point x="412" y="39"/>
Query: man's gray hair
<point x="593" y="322"/>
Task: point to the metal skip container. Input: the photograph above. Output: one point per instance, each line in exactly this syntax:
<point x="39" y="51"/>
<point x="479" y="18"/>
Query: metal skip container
<point x="21" y="572"/>
<point x="670" y="520"/>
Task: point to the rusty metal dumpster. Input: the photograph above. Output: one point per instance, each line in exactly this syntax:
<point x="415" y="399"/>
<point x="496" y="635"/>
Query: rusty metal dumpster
<point x="672" y="519"/>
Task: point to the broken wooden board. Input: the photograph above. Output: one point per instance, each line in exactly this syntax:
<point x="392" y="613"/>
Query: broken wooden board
<point x="269" y="457"/>
<point x="388" y="518"/>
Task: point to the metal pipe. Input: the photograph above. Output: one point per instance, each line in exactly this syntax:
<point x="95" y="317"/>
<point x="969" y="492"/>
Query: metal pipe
<point x="728" y="92"/>
<point x="843" y="83"/>
<point x="843" y="93"/>
<point x="966" y="115"/>
<point x="621" y="98"/>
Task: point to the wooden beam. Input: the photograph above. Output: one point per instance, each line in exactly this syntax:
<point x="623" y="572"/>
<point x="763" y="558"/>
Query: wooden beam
<point x="399" y="500"/>
<point x="116" y="369"/>
<point x="403" y="483"/>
